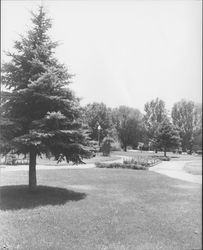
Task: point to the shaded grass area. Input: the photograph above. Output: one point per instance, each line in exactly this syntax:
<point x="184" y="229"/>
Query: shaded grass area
<point x="114" y="209"/>
<point x="18" y="197"/>
<point x="194" y="167"/>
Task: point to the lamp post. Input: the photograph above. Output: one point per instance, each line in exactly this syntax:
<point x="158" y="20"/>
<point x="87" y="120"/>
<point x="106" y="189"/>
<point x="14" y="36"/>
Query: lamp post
<point x="99" y="129"/>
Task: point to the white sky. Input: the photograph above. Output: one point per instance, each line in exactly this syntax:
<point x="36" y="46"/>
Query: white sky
<point x="122" y="52"/>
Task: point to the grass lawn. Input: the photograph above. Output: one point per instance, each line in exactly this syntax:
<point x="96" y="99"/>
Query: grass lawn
<point x="94" y="209"/>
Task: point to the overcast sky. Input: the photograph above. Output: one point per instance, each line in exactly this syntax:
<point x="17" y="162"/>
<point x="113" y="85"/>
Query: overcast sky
<point x="122" y="52"/>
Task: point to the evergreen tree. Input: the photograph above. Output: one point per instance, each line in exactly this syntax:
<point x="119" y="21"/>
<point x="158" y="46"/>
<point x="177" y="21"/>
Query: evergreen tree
<point x="40" y="114"/>
<point x="167" y="136"/>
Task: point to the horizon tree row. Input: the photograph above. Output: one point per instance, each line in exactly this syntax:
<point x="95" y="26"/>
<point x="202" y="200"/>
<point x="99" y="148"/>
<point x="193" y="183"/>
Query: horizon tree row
<point x="129" y="126"/>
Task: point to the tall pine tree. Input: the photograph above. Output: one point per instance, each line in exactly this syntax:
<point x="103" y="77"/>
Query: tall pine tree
<point x="39" y="113"/>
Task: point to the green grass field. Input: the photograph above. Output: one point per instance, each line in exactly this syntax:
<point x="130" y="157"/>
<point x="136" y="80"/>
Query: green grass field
<point x="92" y="209"/>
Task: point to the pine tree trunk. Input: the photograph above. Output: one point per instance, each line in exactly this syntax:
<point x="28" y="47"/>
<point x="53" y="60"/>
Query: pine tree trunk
<point x="32" y="171"/>
<point x="165" y="152"/>
<point x="125" y="148"/>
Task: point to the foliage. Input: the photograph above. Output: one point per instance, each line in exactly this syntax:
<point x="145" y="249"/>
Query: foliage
<point x="188" y="118"/>
<point x="197" y="131"/>
<point x="129" y="125"/>
<point x="167" y="136"/>
<point x="106" y="145"/>
<point x="40" y="114"/>
<point x="155" y="113"/>
<point x="97" y="114"/>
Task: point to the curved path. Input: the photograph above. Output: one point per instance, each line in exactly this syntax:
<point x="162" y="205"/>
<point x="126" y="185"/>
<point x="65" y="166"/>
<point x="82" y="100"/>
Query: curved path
<point x="175" y="169"/>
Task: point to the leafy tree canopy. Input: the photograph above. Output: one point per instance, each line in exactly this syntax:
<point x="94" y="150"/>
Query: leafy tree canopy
<point x="98" y="114"/>
<point x="188" y="118"/>
<point x="129" y="125"/>
<point x="155" y="113"/>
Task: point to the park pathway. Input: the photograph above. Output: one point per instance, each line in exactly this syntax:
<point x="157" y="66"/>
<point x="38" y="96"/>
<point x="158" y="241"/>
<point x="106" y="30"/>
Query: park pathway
<point x="175" y="169"/>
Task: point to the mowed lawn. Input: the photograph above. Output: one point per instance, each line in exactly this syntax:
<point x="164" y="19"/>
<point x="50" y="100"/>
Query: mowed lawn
<point x="94" y="209"/>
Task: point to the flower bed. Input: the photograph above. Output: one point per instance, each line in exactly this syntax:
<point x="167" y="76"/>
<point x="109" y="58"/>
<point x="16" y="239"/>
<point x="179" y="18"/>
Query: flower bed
<point x="139" y="163"/>
<point x="120" y="165"/>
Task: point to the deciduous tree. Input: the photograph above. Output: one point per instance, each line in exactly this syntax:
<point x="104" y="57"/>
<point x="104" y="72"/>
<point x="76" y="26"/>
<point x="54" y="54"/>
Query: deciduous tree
<point x="187" y="117"/>
<point x="129" y="126"/>
<point x="95" y="115"/>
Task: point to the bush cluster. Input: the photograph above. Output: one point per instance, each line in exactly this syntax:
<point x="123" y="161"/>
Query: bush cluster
<point x="121" y="165"/>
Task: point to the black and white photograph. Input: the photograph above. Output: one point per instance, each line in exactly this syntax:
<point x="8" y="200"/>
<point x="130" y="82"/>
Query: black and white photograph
<point x="101" y="125"/>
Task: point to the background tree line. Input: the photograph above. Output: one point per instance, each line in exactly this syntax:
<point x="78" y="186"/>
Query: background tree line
<point x="129" y="126"/>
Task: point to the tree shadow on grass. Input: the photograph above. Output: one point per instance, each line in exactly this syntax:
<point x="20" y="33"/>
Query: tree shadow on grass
<point x="19" y="197"/>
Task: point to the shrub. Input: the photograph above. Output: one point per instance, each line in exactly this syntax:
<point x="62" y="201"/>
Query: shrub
<point x="106" y="146"/>
<point x="120" y="165"/>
